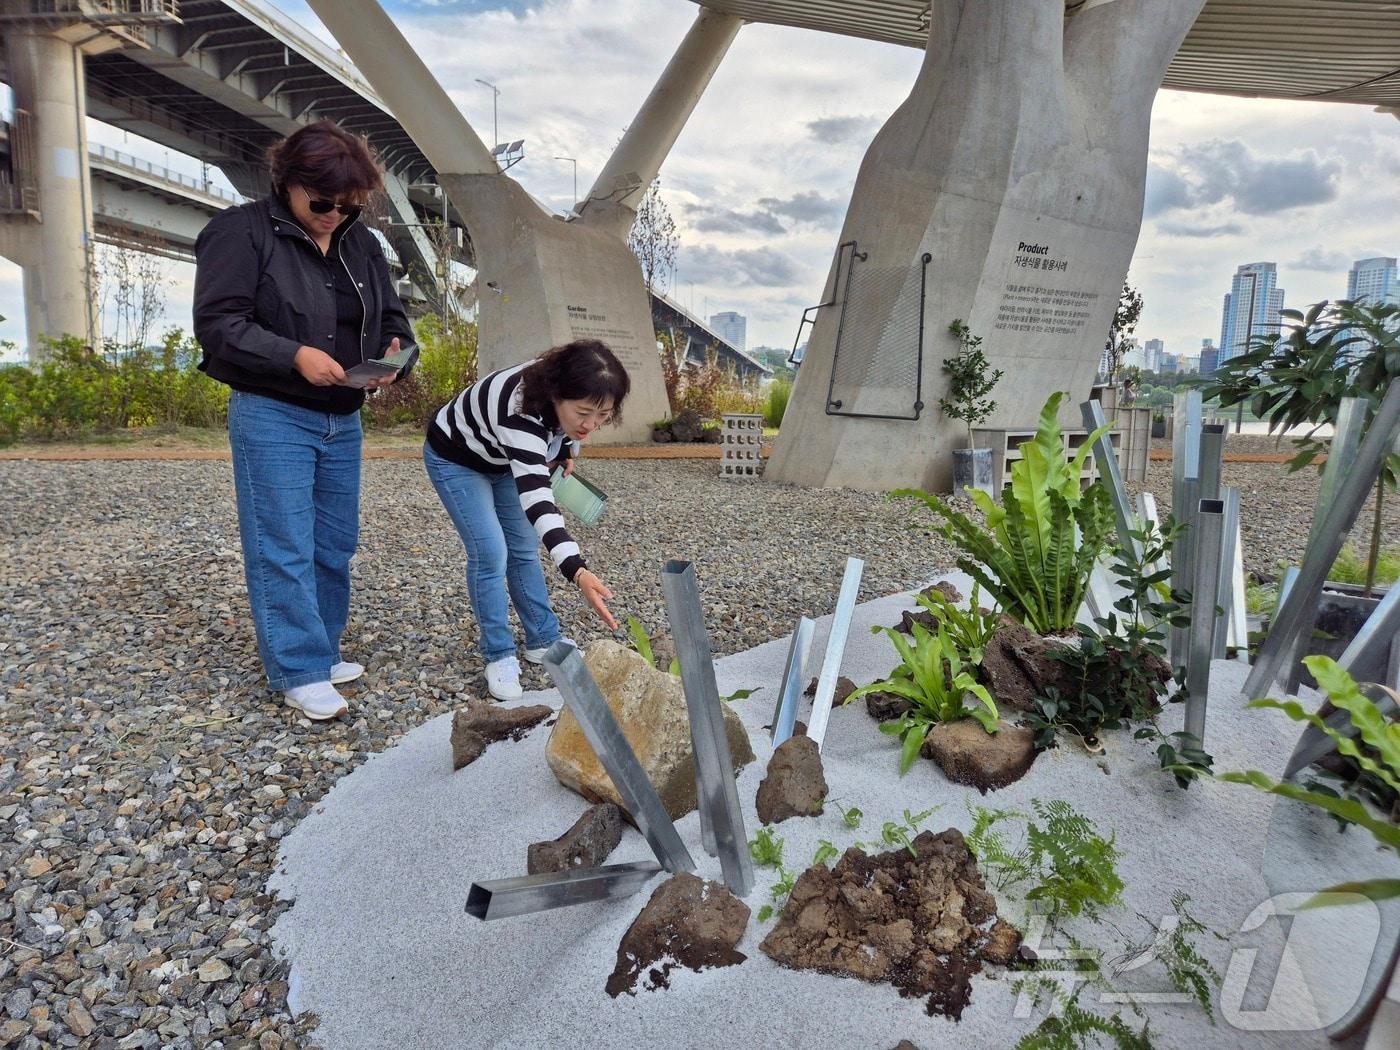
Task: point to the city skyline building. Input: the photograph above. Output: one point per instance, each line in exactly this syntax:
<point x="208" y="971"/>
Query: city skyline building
<point x="1375" y="280"/>
<point x="1251" y="308"/>
<point x="732" y="327"/>
<point x="1152" y="352"/>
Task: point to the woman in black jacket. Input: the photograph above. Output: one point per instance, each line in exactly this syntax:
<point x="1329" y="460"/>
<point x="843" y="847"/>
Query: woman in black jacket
<point x="290" y="293"/>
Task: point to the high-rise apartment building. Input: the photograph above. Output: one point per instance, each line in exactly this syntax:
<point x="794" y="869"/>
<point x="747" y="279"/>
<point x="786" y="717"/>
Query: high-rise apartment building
<point x="1251" y="308"/>
<point x="1152" y="352"/>
<point x="732" y="327"/>
<point x="1374" y="280"/>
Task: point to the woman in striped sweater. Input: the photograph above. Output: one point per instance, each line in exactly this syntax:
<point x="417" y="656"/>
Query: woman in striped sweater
<point x="489" y="453"/>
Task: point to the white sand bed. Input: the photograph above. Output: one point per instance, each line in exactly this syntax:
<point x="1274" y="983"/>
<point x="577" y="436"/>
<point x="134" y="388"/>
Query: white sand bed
<point x="382" y="951"/>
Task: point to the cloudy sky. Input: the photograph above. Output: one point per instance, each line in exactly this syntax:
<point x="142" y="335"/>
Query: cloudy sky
<point x="759" y="179"/>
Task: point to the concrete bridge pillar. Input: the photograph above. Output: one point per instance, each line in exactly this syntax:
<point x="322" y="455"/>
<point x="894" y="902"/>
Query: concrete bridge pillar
<point x="46" y="74"/>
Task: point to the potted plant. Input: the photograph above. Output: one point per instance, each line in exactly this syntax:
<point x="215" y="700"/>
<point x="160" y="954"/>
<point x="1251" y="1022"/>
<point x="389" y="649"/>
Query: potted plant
<point x="970" y="379"/>
<point x="1297" y="378"/>
<point x="1159" y="424"/>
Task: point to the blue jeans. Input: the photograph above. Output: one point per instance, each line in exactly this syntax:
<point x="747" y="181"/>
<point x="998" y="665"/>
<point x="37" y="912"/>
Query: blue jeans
<point x="296" y="473"/>
<point x="503" y="554"/>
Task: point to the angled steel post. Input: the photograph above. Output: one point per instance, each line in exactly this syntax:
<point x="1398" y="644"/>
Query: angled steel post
<point x="1186" y="467"/>
<point x="1297" y="613"/>
<point x="719" y="794"/>
<point x="1107" y="459"/>
<point x="1210" y="531"/>
<point x="1341" y="454"/>
<point x="1229" y="601"/>
<point x="835" y="649"/>
<point x="1212" y="459"/>
<point x="790" y="695"/>
<point x="575" y="683"/>
<point x="502" y="898"/>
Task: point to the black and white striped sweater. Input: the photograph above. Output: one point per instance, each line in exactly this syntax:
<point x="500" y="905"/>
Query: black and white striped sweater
<point x="484" y="429"/>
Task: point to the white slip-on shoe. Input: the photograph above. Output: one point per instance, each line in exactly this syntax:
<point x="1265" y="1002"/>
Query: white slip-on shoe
<point x="536" y="656"/>
<point x="346" y="671"/>
<point x="318" y="701"/>
<point x="503" y="678"/>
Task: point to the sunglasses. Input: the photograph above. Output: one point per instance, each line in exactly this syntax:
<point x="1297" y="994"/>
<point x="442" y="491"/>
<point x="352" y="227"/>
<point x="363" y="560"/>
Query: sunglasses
<point x="324" y="207"/>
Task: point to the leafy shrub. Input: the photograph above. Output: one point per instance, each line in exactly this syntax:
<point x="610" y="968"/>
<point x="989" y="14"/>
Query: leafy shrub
<point x="933" y="678"/>
<point x="1351" y="567"/>
<point x="969" y="630"/>
<point x="1027" y="556"/>
<point x="970" y="379"/>
<point x="1119" y="665"/>
<point x="776" y="403"/>
<point x="1375" y="749"/>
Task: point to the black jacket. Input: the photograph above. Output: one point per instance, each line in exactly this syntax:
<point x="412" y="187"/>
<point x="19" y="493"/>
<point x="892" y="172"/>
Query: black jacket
<point x="261" y="291"/>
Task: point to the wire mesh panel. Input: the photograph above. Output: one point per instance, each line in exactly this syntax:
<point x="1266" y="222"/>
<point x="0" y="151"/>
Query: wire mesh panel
<point x="877" y="367"/>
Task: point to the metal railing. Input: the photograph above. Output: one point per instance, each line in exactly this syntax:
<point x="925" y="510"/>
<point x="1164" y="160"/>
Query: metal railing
<point x="117" y="158"/>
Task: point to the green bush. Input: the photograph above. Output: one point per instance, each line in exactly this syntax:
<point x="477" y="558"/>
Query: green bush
<point x="775" y="406"/>
<point x="1036" y="550"/>
<point x="1351" y="567"/>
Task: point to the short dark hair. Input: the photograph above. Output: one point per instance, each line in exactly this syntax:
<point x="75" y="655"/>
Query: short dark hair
<point x="326" y="159"/>
<point x="584" y="370"/>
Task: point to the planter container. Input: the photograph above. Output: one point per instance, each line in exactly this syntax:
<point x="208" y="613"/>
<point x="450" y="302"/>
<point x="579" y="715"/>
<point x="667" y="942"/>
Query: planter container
<point x="1340" y="614"/>
<point x="972" y="469"/>
<point x="1159" y="428"/>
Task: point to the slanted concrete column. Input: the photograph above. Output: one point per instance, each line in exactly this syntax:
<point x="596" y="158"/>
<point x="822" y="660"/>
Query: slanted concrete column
<point x="1017" y="166"/>
<point x="612" y="202"/>
<point x="46" y="74"/>
<point x="541" y="281"/>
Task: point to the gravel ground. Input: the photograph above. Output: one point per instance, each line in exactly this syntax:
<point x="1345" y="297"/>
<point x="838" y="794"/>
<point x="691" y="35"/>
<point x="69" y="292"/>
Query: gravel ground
<point x="146" y="774"/>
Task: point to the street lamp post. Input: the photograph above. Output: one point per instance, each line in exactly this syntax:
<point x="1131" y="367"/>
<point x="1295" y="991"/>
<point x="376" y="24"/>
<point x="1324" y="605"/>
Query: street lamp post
<point x="495" y="125"/>
<point x="574" y="162"/>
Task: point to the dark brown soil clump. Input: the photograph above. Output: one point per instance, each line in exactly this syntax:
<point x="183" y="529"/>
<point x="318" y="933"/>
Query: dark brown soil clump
<point x="688" y="922"/>
<point x="923" y="922"/>
<point x="480" y="724"/>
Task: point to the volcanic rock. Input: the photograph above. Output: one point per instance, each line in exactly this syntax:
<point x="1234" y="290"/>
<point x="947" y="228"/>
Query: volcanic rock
<point x="919" y="920"/>
<point x="687" y="426"/>
<point x="585" y="845"/>
<point x="968" y="754"/>
<point x="1018" y="666"/>
<point x="795" y="785"/>
<point x="688" y="922"/>
<point x="844" y="688"/>
<point x="481" y="723"/>
<point x="650" y="705"/>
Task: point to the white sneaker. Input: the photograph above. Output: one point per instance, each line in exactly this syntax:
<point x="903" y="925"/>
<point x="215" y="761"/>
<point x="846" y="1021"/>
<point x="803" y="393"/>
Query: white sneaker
<point x="503" y="678"/>
<point x="536" y="656"/>
<point x="318" y="701"/>
<point x="346" y="671"/>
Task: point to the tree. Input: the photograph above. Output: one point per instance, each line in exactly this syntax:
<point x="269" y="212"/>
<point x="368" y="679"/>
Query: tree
<point x="1125" y="320"/>
<point x="1299" y="377"/>
<point x="654" y="240"/>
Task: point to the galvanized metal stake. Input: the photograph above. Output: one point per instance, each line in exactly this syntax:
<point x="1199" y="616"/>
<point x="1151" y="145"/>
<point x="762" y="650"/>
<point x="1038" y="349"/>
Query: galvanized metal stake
<point x="719" y="794"/>
<point x="1107" y="459"/>
<point x="575" y="683"/>
<point x="1210" y="533"/>
<point x="1229" y="601"/>
<point x="835" y="649"/>
<point x="1297" y="613"/>
<point x="790" y="695"/>
<point x="503" y="898"/>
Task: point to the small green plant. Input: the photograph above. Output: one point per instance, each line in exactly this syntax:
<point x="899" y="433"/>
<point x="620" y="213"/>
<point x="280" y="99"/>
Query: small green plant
<point x="970" y="379"/>
<point x="1260" y="598"/>
<point x="1174" y="946"/>
<point x="826" y="850"/>
<point x="1038" y="546"/>
<point x="896" y="833"/>
<point x="738" y="694"/>
<point x="932" y="676"/>
<point x="1072" y="868"/>
<point x="850" y="817"/>
<point x="1375" y="749"/>
<point x="971" y="629"/>
<point x="766" y="850"/>
<point x="775" y="404"/>
<point x="1351" y="567"/>
<point x="1072" y="1027"/>
<point x="641" y="641"/>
